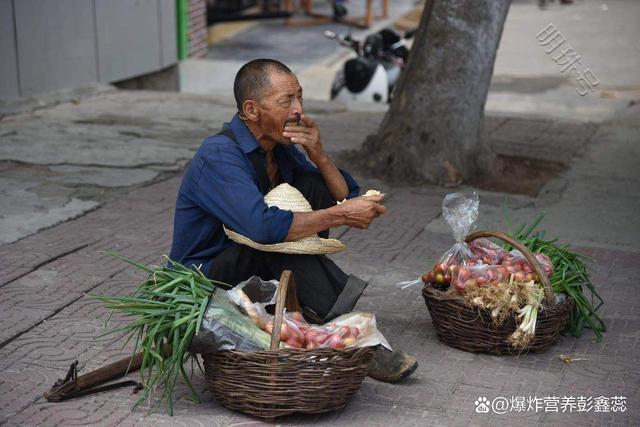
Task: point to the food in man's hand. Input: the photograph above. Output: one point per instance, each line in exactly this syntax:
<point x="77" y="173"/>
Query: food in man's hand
<point x="368" y="193"/>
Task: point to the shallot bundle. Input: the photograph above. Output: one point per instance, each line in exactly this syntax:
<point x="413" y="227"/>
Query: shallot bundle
<point x="505" y="299"/>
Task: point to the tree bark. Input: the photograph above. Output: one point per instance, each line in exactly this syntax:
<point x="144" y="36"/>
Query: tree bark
<point x="432" y="131"/>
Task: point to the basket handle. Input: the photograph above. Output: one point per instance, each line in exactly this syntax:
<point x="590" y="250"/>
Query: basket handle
<point x="285" y="297"/>
<point x="542" y="276"/>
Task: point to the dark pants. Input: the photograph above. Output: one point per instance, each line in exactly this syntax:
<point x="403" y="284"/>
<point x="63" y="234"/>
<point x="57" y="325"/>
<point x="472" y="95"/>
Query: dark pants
<point x="324" y="290"/>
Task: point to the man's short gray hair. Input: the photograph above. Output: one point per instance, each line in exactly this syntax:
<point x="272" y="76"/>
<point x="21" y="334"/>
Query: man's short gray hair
<point x="253" y="79"/>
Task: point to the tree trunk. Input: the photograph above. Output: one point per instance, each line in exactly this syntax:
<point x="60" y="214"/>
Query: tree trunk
<point x="432" y="131"/>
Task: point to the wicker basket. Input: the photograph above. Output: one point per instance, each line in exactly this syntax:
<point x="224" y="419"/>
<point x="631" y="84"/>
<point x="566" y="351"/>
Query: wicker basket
<point x="471" y="329"/>
<point x="269" y="384"/>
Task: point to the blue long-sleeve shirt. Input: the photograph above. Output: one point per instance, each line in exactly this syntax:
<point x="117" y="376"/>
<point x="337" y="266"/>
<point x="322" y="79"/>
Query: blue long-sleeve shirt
<point x="221" y="186"/>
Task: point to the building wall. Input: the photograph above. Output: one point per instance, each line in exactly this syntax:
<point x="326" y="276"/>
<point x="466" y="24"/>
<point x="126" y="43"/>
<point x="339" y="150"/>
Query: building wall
<point x="48" y="45"/>
<point x="197" y="17"/>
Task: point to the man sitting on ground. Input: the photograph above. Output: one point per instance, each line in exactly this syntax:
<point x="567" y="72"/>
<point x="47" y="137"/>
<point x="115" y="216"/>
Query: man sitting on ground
<point x="225" y="185"/>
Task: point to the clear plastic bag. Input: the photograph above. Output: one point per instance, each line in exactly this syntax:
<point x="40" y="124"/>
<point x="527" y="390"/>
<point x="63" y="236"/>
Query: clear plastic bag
<point x="491" y="265"/>
<point x="355" y="329"/>
<point x="238" y="320"/>
<point x="262" y="292"/>
<point x="348" y="330"/>
<point x="486" y="251"/>
<point x="253" y="296"/>
<point x="460" y="211"/>
<point x="522" y="265"/>
<point x="479" y="275"/>
<point x="480" y="262"/>
<point x="225" y="327"/>
<point x="490" y="253"/>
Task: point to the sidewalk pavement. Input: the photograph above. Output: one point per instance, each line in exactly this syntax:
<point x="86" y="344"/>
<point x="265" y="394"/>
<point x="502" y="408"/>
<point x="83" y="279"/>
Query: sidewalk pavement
<point x="138" y="142"/>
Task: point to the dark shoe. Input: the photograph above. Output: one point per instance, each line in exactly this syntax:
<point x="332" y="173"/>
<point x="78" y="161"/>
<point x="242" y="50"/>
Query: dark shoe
<point x="391" y="366"/>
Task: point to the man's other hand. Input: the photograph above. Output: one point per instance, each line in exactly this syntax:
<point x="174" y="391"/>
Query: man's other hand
<point x="361" y="211"/>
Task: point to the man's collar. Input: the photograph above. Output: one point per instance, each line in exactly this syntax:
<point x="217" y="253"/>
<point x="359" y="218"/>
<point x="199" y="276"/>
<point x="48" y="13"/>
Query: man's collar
<point x="245" y="138"/>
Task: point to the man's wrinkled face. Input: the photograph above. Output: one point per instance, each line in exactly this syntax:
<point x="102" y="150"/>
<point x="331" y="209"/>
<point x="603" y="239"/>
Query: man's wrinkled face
<point x="281" y="104"/>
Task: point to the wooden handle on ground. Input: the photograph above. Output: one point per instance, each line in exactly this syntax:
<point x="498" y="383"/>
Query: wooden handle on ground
<point x="94" y="378"/>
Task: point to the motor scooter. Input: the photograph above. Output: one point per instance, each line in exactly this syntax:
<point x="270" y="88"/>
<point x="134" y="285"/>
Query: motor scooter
<point x="374" y="72"/>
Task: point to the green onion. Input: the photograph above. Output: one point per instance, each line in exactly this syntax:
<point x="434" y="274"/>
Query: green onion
<point x="168" y="308"/>
<point x="570" y="276"/>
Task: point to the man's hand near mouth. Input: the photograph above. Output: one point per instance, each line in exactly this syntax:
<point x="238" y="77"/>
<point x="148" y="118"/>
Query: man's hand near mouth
<point x="307" y="135"/>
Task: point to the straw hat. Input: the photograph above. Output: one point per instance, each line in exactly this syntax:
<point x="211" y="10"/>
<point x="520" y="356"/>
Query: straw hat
<point x="289" y="198"/>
